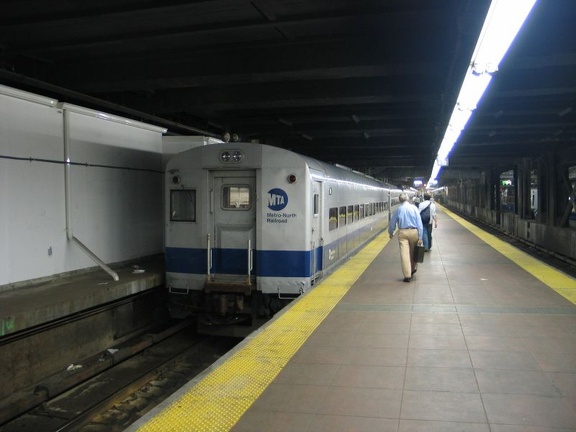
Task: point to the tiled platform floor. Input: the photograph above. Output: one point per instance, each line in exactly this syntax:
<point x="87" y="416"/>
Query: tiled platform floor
<point x="474" y="343"/>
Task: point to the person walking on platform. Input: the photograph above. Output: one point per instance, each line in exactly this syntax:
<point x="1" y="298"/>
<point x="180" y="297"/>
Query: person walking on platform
<point x="410" y="232"/>
<point x="428" y="214"/>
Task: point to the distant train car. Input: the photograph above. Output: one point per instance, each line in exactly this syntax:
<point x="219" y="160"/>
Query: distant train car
<point x="249" y="227"/>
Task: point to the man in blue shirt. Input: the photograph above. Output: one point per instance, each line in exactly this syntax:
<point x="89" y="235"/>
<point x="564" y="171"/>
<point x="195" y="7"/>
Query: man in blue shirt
<point x="410" y="232"/>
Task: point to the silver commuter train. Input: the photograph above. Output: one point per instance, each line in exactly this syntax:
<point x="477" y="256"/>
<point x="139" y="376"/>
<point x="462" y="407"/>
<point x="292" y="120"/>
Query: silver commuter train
<point x="249" y="227"/>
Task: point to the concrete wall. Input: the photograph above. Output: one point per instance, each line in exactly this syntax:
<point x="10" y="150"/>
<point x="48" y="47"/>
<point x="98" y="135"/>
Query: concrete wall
<point x="115" y="196"/>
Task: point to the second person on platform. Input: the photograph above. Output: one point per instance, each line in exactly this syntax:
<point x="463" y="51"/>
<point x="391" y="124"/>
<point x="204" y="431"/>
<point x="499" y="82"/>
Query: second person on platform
<point x="428" y="215"/>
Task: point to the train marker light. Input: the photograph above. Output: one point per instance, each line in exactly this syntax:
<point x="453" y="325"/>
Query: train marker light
<point x="225" y="156"/>
<point x="237" y="156"/>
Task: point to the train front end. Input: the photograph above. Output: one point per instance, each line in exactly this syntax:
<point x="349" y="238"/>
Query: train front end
<point x="237" y="242"/>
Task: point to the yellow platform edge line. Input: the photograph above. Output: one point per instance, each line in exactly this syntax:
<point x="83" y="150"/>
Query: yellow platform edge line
<point x="219" y="399"/>
<point x="551" y="277"/>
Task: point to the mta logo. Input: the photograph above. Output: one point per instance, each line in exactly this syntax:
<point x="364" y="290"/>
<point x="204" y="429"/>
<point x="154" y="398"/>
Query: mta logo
<point x="277" y="199"/>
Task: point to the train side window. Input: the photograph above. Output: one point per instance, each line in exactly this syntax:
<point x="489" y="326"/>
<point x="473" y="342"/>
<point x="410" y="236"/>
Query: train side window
<point x="361" y="213"/>
<point x="236" y="197"/>
<point x="356" y="212"/>
<point x="350" y="214"/>
<point x="342" y="216"/>
<point x="333" y="218"/>
<point x="183" y="205"/>
<point x="316" y="204"/>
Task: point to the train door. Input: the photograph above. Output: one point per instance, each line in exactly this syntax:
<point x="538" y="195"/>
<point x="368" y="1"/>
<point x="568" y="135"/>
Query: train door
<point x="316" y="237"/>
<point x="233" y="211"/>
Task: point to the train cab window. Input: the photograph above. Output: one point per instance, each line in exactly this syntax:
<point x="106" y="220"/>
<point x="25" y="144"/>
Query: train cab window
<point x="342" y="216"/>
<point x="236" y="197"/>
<point x="183" y="205"/>
<point x="333" y="218"/>
<point x="316" y="204"/>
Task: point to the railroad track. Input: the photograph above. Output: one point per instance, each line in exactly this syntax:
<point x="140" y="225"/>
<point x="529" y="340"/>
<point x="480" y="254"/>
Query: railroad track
<point x="115" y="388"/>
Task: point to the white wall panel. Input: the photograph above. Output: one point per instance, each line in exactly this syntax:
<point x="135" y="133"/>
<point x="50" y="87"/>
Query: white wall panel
<point x="116" y="211"/>
<point x="116" y="196"/>
<point x="31" y="192"/>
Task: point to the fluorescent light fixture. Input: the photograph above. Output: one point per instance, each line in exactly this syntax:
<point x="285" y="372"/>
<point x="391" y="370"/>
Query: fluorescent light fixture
<point x="442" y="162"/>
<point x="109" y="117"/>
<point x="435" y="171"/>
<point x="502" y="23"/>
<point x="472" y="89"/>
<point x="459" y="118"/>
<point x="24" y="95"/>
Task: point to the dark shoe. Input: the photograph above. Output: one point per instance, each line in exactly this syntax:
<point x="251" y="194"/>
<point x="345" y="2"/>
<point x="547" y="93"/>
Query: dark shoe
<point x="414" y="271"/>
<point x="426" y="250"/>
<point x="407" y="279"/>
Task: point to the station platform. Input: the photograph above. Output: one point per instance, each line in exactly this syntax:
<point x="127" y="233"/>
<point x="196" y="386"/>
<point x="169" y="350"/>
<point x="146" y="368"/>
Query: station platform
<point x="482" y="339"/>
<point x="28" y="306"/>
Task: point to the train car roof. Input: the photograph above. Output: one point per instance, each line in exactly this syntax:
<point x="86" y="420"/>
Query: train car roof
<point x="338" y="172"/>
<point x="323" y="169"/>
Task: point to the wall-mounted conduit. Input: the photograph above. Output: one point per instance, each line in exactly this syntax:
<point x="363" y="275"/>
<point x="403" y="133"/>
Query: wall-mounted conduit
<point x="67" y="198"/>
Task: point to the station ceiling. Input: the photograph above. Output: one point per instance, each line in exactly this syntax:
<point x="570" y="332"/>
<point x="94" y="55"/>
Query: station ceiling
<point x="369" y="84"/>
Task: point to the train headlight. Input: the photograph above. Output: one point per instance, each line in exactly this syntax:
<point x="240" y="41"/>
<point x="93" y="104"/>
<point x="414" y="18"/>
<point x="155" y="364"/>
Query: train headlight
<point x="225" y="156"/>
<point x="237" y="156"/>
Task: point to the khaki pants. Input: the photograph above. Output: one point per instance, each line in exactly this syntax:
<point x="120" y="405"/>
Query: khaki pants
<point x="407" y="239"/>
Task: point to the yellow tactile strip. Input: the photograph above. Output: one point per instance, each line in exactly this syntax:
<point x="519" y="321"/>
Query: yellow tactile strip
<point x="216" y="403"/>
<point x="555" y="279"/>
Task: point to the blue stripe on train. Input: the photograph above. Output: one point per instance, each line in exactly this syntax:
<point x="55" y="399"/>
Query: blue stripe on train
<point x="185" y="260"/>
<point x="266" y="263"/>
<point x="234" y="261"/>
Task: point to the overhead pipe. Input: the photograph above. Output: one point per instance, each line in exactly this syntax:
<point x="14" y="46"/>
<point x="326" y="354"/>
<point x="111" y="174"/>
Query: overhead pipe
<point x="67" y="199"/>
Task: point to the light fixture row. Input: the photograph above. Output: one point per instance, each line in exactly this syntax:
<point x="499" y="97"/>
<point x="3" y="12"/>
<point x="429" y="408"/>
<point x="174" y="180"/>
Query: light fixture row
<point x="502" y="24"/>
